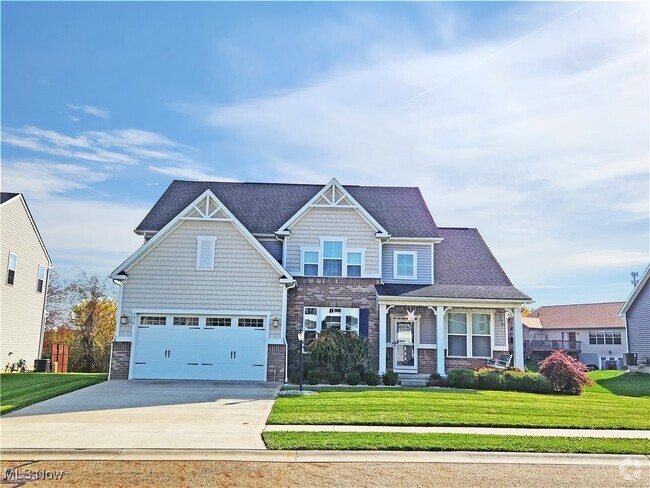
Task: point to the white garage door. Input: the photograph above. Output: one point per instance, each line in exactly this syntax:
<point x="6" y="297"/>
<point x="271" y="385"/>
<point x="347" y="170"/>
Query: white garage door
<point x="207" y="348"/>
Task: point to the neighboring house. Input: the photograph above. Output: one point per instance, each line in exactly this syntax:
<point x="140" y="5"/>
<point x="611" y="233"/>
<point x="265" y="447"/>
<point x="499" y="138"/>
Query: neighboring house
<point x="25" y="267"/>
<point x="591" y="332"/>
<point x="636" y="312"/>
<point x="231" y="273"/>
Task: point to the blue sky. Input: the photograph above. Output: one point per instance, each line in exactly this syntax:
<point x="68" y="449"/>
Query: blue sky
<point x="529" y="121"/>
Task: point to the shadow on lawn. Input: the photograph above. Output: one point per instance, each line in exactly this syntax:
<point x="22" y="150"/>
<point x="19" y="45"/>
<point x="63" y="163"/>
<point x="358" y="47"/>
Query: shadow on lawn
<point x="628" y="384"/>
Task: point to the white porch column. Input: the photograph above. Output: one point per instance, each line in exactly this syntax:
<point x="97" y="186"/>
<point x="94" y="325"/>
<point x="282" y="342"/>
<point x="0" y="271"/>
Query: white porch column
<point x="382" y="339"/>
<point x="518" y="339"/>
<point x="440" y="340"/>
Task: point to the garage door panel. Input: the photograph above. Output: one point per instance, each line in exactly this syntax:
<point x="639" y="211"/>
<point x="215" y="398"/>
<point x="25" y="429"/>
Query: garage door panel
<point x="215" y="353"/>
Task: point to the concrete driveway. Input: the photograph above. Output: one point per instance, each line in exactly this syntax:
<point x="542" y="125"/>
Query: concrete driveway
<point x="145" y="414"/>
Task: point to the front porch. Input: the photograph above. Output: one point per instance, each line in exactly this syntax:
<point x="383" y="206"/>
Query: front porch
<point x="412" y="334"/>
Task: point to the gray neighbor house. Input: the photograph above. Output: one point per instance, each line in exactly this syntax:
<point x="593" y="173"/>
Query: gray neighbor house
<point x="229" y="275"/>
<point x="636" y="311"/>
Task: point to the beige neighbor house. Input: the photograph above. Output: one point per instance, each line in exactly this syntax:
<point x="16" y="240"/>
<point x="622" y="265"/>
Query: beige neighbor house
<point x="230" y="275"/>
<point x="593" y="333"/>
<point x="23" y="282"/>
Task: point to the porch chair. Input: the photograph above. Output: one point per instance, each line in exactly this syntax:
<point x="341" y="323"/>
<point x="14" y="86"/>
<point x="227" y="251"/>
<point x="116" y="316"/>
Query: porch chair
<point x="500" y="363"/>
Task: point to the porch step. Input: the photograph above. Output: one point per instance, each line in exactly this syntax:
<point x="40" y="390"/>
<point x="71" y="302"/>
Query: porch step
<point x="413" y="379"/>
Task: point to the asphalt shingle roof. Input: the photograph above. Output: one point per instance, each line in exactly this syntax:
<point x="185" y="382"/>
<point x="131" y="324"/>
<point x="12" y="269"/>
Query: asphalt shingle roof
<point x="4" y="196"/>
<point x="580" y="316"/>
<point x="464" y="268"/>
<point x="264" y="207"/>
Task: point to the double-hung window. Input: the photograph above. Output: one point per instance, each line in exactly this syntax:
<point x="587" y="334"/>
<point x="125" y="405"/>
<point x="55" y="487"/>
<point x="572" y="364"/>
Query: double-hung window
<point x="11" y="269"/>
<point x="40" y="280"/>
<point x="205" y="252"/>
<point x="355" y="258"/>
<point x="469" y="334"/>
<point x="405" y="265"/>
<point x="332" y="258"/>
<point x="310" y="263"/>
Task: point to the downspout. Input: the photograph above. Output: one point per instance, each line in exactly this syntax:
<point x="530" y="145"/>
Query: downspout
<point x="284" y="329"/>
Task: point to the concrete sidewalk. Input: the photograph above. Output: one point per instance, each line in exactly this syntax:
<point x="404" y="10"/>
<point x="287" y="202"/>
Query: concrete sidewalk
<point x="609" y="434"/>
<point x="259" y="455"/>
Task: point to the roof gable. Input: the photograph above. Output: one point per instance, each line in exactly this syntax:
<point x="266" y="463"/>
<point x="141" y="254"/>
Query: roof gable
<point x="333" y="195"/>
<point x="8" y="197"/>
<point x="264" y="207"/>
<point x="206" y="207"/>
<point x="637" y="290"/>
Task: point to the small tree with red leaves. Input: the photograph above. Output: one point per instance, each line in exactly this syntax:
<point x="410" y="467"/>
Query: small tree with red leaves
<point x="566" y="375"/>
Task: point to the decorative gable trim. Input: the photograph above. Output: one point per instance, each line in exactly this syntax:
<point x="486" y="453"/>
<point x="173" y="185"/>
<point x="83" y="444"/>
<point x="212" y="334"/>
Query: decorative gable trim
<point x="333" y="195"/>
<point x="207" y="207"/>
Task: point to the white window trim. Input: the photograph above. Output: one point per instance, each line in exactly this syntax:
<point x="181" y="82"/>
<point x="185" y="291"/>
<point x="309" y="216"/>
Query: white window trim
<point x="414" y="276"/>
<point x="468" y="334"/>
<point x="38" y="277"/>
<point x="344" y="256"/>
<point x="9" y="268"/>
<point x="363" y="261"/>
<point x="319" y="263"/>
<point x="320" y="314"/>
<point x="199" y="240"/>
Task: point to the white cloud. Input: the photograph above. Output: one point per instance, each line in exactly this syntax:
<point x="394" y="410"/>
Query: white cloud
<point x="539" y="140"/>
<point x="195" y="172"/>
<point x="101" y="113"/>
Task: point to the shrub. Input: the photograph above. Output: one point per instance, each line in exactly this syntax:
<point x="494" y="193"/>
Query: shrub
<point x="534" y="383"/>
<point x="334" y="378"/>
<point x="334" y="350"/>
<point x="294" y="377"/>
<point x="462" y="378"/>
<point x="436" y="380"/>
<point x="372" y="378"/>
<point x="313" y="376"/>
<point x="390" y="378"/>
<point x="512" y="380"/>
<point x="490" y="379"/>
<point x="353" y="378"/>
<point x="565" y="374"/>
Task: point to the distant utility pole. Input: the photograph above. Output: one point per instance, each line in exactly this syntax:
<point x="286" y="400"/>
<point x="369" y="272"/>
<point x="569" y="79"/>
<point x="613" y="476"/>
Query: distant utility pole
<point x="635" y="278"/>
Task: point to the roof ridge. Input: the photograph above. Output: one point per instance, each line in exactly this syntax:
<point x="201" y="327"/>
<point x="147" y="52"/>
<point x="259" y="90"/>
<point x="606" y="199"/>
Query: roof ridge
<point x="319" y="185"/>
<point x="580" y="304"/>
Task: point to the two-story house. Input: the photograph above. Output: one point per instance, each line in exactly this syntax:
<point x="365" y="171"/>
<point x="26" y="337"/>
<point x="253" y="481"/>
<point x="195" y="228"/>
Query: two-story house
<point x="230" y="274"/>
<point x="23" y="281"/>
<point x="636" y="313"/>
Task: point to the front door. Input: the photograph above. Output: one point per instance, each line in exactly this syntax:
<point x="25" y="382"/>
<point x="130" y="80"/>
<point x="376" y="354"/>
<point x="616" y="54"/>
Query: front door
<point x="404" y="352"/>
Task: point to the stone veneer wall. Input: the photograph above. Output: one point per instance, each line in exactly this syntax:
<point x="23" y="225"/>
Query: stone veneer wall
<point x="275" y="363"/>
<point x="120" y="360"/>
<point x="331" y="292"/>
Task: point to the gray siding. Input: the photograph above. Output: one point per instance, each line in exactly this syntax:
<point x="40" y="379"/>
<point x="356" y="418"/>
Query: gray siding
<point x="274" y="247"/>
<point x="166" y="278"/>
<point x="638" y="324"/>
<point x="21" y="306"/>
<point x="428" y="329"/>
<point x="423" y="263"/>
<point x="500" y="329"/>
<point x="333" y="222"/>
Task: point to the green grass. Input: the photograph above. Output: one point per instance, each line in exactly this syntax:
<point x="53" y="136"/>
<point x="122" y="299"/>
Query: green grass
<point x="18" y="390"/>
<point x="450" y="442"/>
<point x="616" y="401"/>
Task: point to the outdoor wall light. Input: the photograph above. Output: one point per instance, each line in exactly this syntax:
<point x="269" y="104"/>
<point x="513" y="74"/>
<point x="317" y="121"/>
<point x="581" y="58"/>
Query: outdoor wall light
<point x="276" y="322"/>
<point x="124" y="319"/>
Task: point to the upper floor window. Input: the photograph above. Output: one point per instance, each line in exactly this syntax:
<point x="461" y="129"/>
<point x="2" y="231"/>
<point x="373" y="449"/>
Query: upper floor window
<point x="205" y="252"/>
<point x="310" y="263"/>
<point x="354" y="264"/>
<point x="332" y="258"/>
<point x="11" y="269"/>
<point x="40" y="281"/>
<point x="405" y="265"/>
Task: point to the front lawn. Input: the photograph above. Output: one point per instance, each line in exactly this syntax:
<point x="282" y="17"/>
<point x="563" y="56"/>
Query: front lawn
<point x="616" y="401"/>
<point x="18" y="390"/>
<point x="393" y="441"/>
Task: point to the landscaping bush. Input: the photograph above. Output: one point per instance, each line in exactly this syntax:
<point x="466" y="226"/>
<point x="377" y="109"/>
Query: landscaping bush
<point x="313" y="376"/>
<point x="436" y="380"/>
<point x="512" y="380"/>
<point x="565" y="374"/>
<point x="371" y="378"/>
<point x="353" y="378"/>
<point x="334" y="350"/>
<point x="334" y="378"/>
<point x="462" y="378"/>
<point x="390" y="378"/>
<point x="490" y="379"/>
<point x="294" y="377"/>
<point x="534" y="383"/>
